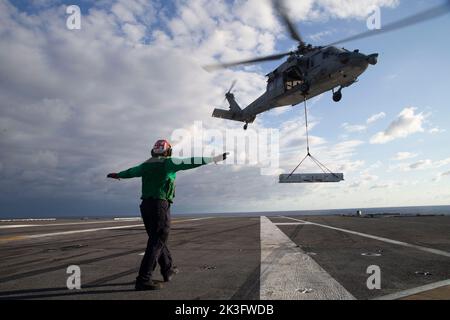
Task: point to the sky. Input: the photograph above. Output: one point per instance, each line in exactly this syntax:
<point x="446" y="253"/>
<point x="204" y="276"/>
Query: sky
<point x="78" y="104"/>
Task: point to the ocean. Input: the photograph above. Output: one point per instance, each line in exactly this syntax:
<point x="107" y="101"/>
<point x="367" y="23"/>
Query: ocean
<point x="422" y="210"/>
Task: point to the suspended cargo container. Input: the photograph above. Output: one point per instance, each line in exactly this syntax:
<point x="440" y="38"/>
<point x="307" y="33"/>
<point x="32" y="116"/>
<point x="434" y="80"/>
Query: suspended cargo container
<point x="312" y="178"/>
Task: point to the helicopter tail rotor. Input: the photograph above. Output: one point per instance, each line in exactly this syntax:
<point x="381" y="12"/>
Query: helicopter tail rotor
<point x="232" y="86"/>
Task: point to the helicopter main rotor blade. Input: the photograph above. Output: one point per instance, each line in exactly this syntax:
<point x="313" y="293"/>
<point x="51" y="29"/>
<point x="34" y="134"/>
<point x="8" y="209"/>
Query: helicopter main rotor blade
<point x="420" y="17"/>
<point x="244" y="62"/>
<point x="281" y="10"/>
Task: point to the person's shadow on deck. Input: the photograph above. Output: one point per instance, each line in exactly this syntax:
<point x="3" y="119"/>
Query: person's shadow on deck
<point x="64" y="292"/>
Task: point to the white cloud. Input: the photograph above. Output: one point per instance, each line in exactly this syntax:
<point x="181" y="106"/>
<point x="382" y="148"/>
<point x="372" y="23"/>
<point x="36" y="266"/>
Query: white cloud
<point x="436" y="130"/>
<point x="442" y="163"/>
<point x="323" y="9"/>
<point x="422" y="165"/>
<point x="381" y="186"/>
<point x="406" y="124"/>
<point x="353" y="128"/>
<point x="320" y="36"/>
<point x="78" y="105"/>
<point x="345" y="149"/>
<point x="376" y="117"/>
<point x="441" y="175"/>
<point x="369" y="177"/>
<point x="350" y="166"/>
<point x="400" y="156"/>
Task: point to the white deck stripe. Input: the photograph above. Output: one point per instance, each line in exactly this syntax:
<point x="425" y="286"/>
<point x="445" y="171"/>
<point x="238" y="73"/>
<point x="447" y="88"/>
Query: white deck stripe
<point x="64" y="224"/>
<point x="291" y="224"/>
<point x="286" y="270"/>
<point x="64" y="233"/>
<point x="12" y="226"/>
<point x="115" y="221"/>
<point x="414" y="291"/>
<point x="400" y="243"/>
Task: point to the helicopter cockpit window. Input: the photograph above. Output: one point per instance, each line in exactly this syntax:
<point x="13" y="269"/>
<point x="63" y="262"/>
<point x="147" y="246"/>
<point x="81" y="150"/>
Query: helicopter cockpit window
<point x="332" y="51"/>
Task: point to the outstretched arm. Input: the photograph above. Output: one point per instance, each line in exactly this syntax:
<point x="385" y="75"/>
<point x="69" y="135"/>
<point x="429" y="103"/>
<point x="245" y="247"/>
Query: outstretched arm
<point x="135" y="172"/>
<point x="192" y="163"/>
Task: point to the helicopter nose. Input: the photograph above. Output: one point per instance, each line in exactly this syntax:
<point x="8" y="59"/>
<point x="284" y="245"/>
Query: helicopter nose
<point x="373" y="59"/>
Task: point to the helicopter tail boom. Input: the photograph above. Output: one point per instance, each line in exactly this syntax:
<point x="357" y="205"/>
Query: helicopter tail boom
<point x="228" y="115"/>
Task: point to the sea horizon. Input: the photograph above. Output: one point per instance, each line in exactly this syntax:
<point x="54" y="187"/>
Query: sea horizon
<point x="411" y="210"/>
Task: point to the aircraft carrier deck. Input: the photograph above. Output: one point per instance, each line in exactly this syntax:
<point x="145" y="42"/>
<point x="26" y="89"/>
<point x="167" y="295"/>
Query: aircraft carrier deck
<point x="239" y="258"/>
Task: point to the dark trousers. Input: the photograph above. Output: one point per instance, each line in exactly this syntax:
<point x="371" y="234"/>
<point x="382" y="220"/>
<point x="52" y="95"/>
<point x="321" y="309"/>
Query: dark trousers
<point x="156" y="216"/>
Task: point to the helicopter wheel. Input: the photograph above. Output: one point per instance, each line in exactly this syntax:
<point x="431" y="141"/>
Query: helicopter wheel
<point x="337" y="96"/>
<point x="246" y="126"/>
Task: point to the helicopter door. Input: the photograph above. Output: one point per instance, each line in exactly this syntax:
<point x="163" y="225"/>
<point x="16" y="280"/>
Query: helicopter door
<point x="293" y="77"/>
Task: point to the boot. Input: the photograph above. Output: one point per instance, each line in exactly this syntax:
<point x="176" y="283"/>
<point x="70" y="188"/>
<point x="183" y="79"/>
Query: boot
<point x="147" y="286"/>
<point x="169" y="276"/>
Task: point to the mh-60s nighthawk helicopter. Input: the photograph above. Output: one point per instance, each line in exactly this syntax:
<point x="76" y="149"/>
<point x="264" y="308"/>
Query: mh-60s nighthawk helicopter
<point x="311" y="70"/>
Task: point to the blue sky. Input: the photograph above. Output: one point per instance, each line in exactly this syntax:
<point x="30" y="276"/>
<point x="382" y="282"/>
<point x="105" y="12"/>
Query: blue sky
<point x="77" y="105"/>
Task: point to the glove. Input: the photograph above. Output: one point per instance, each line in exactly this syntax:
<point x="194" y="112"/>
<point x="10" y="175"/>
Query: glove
<point x="113" y="176"/>
<point x="221" y="157"/>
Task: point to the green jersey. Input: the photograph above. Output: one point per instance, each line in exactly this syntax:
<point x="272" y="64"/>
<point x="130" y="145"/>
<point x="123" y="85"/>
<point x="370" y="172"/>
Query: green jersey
<point x="159" y="174"/>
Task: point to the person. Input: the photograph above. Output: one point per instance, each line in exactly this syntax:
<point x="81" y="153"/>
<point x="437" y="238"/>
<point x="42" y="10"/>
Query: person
<point x="158" y="191"/>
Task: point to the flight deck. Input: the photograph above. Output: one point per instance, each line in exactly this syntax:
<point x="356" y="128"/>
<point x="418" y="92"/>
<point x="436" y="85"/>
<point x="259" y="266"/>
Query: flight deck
<point x="238" y="258"/>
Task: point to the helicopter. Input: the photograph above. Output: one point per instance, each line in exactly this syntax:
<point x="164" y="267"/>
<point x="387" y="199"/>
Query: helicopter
<point x="310" y="71"/>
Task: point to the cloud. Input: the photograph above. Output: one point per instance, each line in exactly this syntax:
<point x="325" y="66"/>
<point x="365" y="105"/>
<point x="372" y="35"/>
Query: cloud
<point x="381" y="186"/>
<point x="406" y="124"/>
<point x="76" y="105"/>
<point x="353" y="128"/>
<point x="442" y="163"/>
<point x="321" y="36"/>
<point x="361" y="128"/>
<point x="400" y="156"/>
<point x="436" y="130"/>
<point x="350" y="166"/>
<point x="341" y="9"/>
<point x="376" y="117"/>
<point x="45" y="158"/>
<point x="422" y="165"/>
<point x="441" y="175"/>
<point x="369" y="177"/>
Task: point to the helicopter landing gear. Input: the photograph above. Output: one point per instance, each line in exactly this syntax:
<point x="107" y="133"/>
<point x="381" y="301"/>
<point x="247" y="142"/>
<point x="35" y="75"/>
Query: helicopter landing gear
<point x="246" y="126"/>
<point x="337" y="96"/>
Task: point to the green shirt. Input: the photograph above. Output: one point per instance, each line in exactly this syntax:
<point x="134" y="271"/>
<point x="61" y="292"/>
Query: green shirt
<point x="159" y="174"/>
